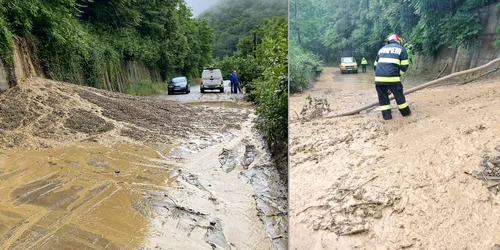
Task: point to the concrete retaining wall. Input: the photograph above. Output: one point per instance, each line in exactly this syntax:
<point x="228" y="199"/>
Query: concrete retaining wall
<point x="459" y="59"/>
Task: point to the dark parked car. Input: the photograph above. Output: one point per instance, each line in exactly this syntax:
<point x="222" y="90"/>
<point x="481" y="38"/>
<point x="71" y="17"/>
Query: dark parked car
<point x="178" y="84"/>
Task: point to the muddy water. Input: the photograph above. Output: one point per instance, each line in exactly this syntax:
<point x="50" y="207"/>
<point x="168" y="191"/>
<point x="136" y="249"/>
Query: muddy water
<point x="360" y="79"/>
<point x="222" y="104"/>
<point x="82" y="196"/>
<point x="359" y="182"/>
<point x="227" y="194"/>
<point x="221" y="197"/>
<point x="357" y="82"/>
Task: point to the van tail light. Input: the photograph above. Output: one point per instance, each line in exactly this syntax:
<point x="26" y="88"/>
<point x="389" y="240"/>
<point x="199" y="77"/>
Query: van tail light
<point x="222" y="80"/>
<point x="201" y="82"/>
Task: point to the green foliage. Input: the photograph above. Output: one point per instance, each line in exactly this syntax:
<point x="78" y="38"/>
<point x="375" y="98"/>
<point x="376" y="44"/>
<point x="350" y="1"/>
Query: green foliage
<point x="232" y="20"/>
<point x="82" y="41"/>
<point x="326" y="27"/>
<point x="498" y="41"/>
<point x="145" y="88"/>
<point x="498" y="29"/>
<point x="6" y="42"/>
<point x="305" y="67"/>
<point x="271" y="89"/>
<point x="263" y="73"/>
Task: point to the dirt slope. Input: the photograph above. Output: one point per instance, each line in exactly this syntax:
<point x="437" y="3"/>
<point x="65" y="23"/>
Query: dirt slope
<point x="360" y="182"/>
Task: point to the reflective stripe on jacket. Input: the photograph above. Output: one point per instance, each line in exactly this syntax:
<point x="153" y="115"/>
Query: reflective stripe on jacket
<point x="364" y="61"/>
<point x="390" y="64"/>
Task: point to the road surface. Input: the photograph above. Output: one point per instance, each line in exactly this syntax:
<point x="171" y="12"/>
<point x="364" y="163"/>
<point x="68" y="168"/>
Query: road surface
<point x="197" y="96"/>
<point x="360" y="182"/>
<point x="83" y="168"/>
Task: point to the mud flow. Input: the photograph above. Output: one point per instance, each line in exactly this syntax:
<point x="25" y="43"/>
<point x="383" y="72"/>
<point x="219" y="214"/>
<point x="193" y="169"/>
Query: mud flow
<point x="82" y="196"/>
<point x="427" y="181"/>
<point x="82" y="168"/>
<point x="222" y="104"/>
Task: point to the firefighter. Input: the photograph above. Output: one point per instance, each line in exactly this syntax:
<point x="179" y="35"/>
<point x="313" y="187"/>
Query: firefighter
<point x="390" y="64"/>
<point x="364" y="62"/>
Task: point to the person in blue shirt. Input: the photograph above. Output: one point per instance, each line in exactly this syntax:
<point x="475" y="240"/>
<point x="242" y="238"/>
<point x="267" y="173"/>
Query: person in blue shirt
<point x="233" y="77"/>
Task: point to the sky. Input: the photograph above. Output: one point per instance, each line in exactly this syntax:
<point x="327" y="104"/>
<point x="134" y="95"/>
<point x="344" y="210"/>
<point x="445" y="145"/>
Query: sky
<point x="199" y="6"/>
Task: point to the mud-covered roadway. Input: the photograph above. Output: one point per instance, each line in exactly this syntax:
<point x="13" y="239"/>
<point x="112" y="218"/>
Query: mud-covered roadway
<point x="417" y="182"/>
<point x="82" y="168"/>
<point x="196" y="96"/>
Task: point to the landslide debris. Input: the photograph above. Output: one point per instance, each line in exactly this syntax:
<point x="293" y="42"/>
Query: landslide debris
<point x="490" y="171"/>
<point x="41" y="113"/>
<point x="314" y="108"/>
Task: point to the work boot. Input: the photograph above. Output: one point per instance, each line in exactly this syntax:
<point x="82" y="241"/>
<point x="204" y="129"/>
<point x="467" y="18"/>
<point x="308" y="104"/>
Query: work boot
<point x="386" y="114"/>
<point x="406" y="111"/>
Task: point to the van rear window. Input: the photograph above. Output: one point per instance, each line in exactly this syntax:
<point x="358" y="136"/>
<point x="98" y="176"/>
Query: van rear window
<point x="348" y="59"/>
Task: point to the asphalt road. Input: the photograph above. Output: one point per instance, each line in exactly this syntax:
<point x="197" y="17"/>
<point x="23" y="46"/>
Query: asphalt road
<point x="197" y="96"/>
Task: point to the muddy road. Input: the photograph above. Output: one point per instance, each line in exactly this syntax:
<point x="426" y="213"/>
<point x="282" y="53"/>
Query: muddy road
<point x="197" y="96"/>
<point x="83" y="168"/>
<point x="360" y="182"/>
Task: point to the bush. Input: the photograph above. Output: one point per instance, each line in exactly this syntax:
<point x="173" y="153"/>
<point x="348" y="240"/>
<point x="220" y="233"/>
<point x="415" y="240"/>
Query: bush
<point x="270" y="91"/>
<point x="145" y="87"/>
<point x="305" y="67"/>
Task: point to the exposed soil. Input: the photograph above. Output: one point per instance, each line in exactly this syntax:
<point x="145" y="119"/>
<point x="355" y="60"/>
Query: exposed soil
<point x="41" y="113"/>
<point x="360" y="182"/>
<point x="83" y="168"/>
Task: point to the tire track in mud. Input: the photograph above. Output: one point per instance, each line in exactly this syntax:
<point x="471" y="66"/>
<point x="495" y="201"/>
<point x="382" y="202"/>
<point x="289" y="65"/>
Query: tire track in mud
<point x="60" y="223"/>
<point x="22" y="228"/>
<point x="33" y="239"/>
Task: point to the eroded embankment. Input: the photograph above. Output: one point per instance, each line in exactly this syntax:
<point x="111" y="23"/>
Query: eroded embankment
<point x="360" y="182"/>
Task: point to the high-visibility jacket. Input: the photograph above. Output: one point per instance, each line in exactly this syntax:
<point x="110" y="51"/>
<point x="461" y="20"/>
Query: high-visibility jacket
<point x="363" y="61"/>
<point x="390" y="64"/>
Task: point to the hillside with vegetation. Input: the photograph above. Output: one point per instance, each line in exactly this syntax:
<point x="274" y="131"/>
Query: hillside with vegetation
<point x="324" y="27"/>
<point x="81" y="41"/>
<point x="231" y="20"/>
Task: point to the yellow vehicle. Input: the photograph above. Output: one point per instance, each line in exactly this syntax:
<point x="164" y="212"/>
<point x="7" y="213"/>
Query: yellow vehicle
<point x="348" y="65"/>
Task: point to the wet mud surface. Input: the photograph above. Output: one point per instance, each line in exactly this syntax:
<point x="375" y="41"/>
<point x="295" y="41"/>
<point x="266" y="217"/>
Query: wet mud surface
<point x="84" y="196"/>
<point x="360" y="182"/>
<point x="83" y="168"/>
<point x="224" y="185"/>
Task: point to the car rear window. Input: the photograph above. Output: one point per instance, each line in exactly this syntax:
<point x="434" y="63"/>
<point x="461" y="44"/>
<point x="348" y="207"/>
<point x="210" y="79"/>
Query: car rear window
<point x="179" y="79"/>
<point x="214" y="73"/>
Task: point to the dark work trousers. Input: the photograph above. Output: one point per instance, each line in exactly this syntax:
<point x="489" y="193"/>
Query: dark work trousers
<point x="235" y="87"/>
<point x="364" y="67"/>
<point x="232" y="87"/>
<point x="385" y="104"/>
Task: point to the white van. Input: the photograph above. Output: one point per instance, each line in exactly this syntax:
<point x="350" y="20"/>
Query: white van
<point x="211" y="78"/>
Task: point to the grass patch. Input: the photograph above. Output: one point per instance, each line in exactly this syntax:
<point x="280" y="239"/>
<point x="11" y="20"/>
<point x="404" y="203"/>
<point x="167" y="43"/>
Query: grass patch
<point x="147" y="87"/>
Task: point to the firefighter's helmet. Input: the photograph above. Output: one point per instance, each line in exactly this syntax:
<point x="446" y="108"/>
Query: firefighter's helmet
<point x="394" y="37"/>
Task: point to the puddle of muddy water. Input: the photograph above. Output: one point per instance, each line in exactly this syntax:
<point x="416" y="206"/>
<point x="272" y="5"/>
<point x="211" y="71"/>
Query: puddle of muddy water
<point x="223" y="104"/>
<point x="83" y="196"/>
<point x="367" y="80"/>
